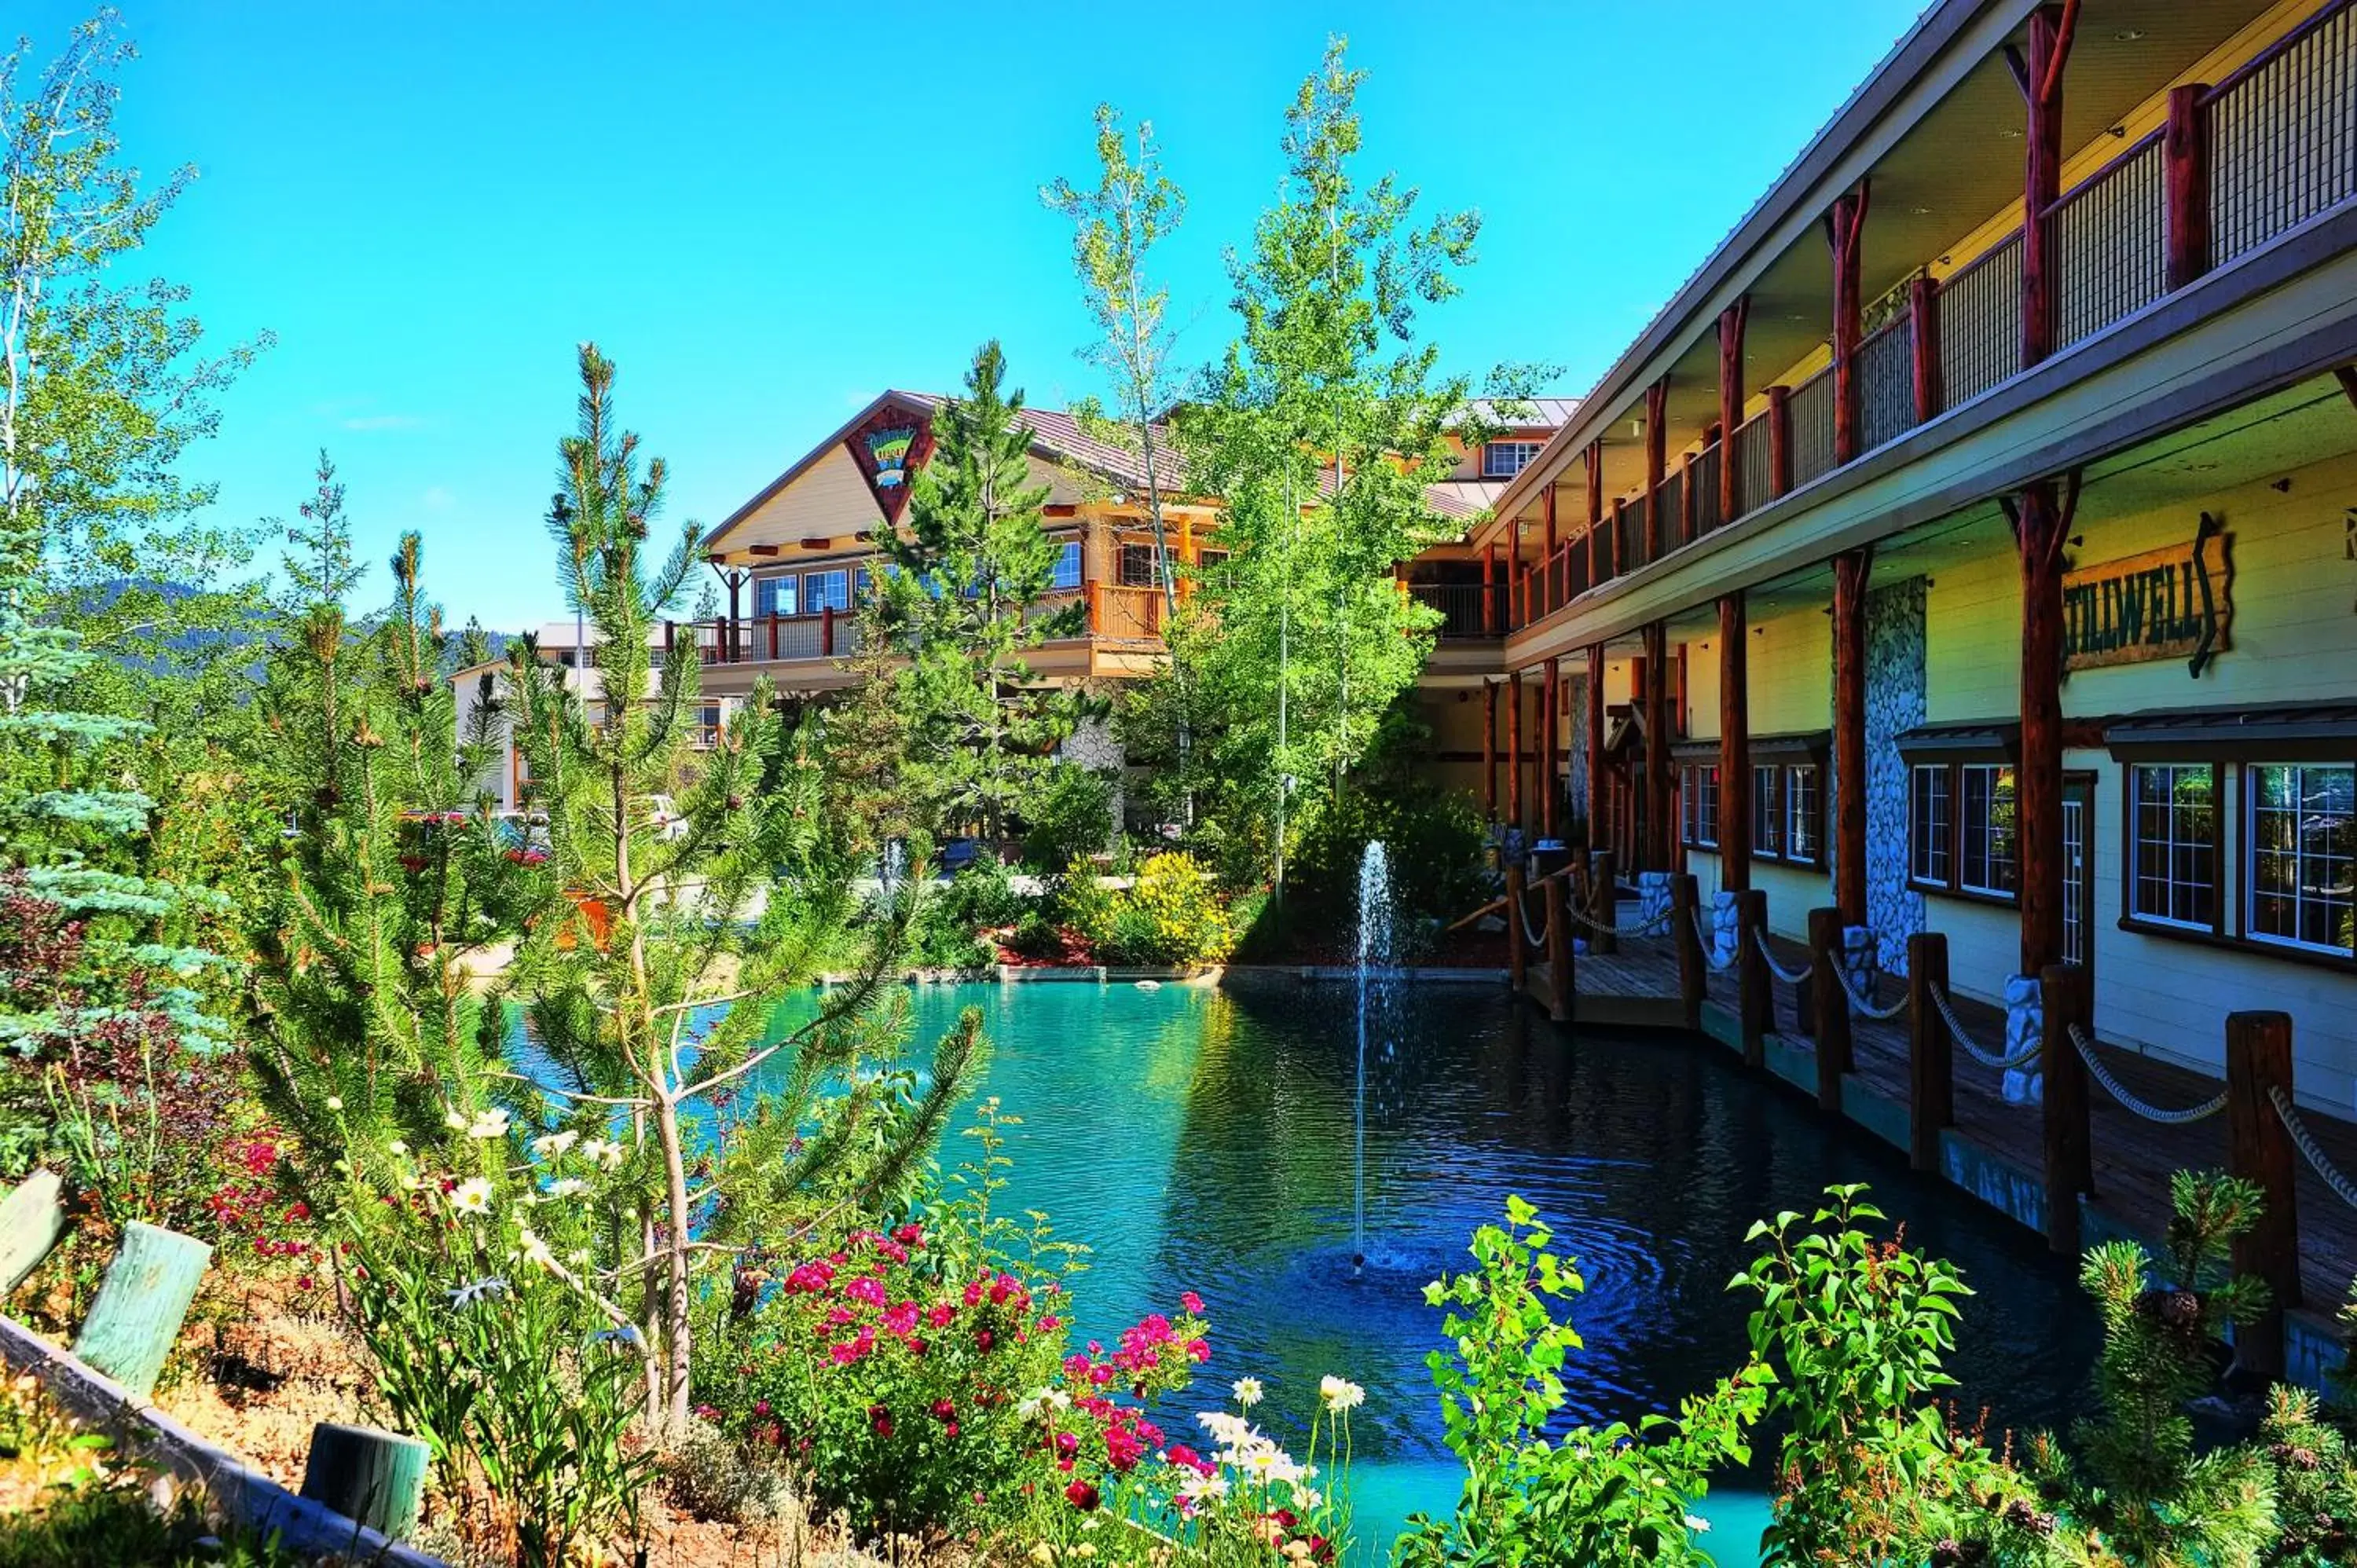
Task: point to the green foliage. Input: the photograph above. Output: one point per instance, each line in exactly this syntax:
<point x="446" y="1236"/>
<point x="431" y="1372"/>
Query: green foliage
<point x="2139" y="1476"/>
<point x="963" y="599"/>
<point x="1170" y="914"/>
<point x="1437" y="854"/>
<point x="946" y="933"/>
<point x="1613" y="1494"/>
<point x="2315" y="1483"/>
<point x="1070" y="819"/>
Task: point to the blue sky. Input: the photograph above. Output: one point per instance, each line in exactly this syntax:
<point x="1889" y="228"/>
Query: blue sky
<point x="767" y="213"/>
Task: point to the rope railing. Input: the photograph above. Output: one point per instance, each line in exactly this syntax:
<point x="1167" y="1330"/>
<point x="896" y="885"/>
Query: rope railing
<point x="1652" y="927"/>
<point x="1789" y="976"/>
<point x="1994" y="1060"/>
<point x="1703" y="935"/>
<point x="1879" y="1015"/>
<point x="1522" y="913"/>
<point x="2305" y="1141"/>
<point x="2146" y="1109"/>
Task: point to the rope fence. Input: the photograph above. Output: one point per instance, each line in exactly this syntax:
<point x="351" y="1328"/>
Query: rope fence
<point x="1789" y="976"/>
<point x="1652" y="927"/>
<point x="1879" y="1015"/>
<point x="2305" y="1141"/>
<point x="1995" y="1061"/>
<point x="2146" y="1109"/>
<point x="1536" y="941"/>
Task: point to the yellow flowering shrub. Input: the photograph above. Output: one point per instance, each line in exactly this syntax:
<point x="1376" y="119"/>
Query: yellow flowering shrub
<point x="1170" y="914"/>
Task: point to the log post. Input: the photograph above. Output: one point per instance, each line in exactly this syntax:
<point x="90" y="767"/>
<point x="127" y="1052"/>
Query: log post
<point x="1490" y="590"/>
<point x="1731" y="323"/>
<point x="1660" y="836"/>
<point x="1517" y="963"/>
<point x="1595" y="744"/>
<point x="1595" y="511"/>
<point x="2040" y="79"/>
<point x="1924" y="332"/>
<point x="1831" y="1006"/>
<point x="1756" y="995"/>
<point x="140" y="1307"/>
<point x="2187" y="152"/>
<point x="1734" y="743"/>
<point x="32" y="1217"/>
<point x="1852" y="569"/>
<point x="1558" y="952"/>
<point x="1931" y="1052"/>
<point x="376" y="1478"/>
<point x="1550" y="738"/>
<point x="1548" y="601"/>
<point x="825" y="632"/>
<point x="1657" y="435"/>
<point x="2041" y="528"/>
<point x="1489" y="750"/>
<point x="1845" y="232"/>
<point x="1604" y="896"/>
<point x="2069" y="1159"/>
<point x="2259" y="1149"/>
<point x="1515" y="752"/>
<point x="734" y="641"/>
<point x="1617" y="535"/>
<point x="1780" y="441"/>
<point x="1685" y="907"/>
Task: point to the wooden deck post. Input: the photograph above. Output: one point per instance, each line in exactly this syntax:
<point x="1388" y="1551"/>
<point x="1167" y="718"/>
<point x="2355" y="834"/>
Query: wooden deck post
<point x="1595" y="511"/>
<point x="1734" y="743"/>
<point x="1489" y="750"/>
<point x="1924" y="329"/>
<point x="2069" y="1155"/>
<point x="2187" y="152"/>
<point x="2042" y="525"/>
<point x="1595" y="745"/>
<point x="1657" y="435"/>
<point x="2040" y="79"/>
<point x="1686" y="908"/>
<point x="1831" y="1004"/>
<point x="1660" y="836"/>
<point x="1550" y="741"/>
<point x="1548" y="600"/>
<point x="1515" y="752"/>
<point x="2259" y="1149"/>
<point x="1756" y="995"/>
<point x="1490" y="590"/>
<point x="825" y="632"/>
<point x="1558" y="952"/>
<point x="1517" y="963"/>
<point x="1845" y="232"/>
<point x="1732" y="322"/>
<point x="1604" y="901"/>
<point x="1616" y="535"/>
<point x="1780" y="441"/>
<point x="1852" y="569"/>
<point x="142" y="1303"/>
<point x="1931" y="1051"/>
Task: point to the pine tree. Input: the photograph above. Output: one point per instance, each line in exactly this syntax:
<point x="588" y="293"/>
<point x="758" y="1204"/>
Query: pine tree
<point x="964" y="598"/>
<point x="650" y="989"/>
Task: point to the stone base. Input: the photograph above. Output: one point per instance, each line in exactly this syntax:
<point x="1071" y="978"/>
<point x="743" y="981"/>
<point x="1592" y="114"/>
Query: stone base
<point x="1859" y="962"/>
<point x="2025" y="1023"/>
<point x="1653" y="898"/>
<point x="1726" y="930"/>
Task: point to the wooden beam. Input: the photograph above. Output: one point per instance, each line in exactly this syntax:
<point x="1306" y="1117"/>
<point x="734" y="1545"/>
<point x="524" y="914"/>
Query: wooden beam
<point x="1923" y="328"/>
<point x="2038" y="778"/>
<point x="1595" y="740"/>
<point x="1595" y="511"/>
<point x="1852" y="569"/>
<point x="1845" y="232"/>
<point x="2040" y="77"/>
<point x="1734" y="743"/>
<point x="1489" y="750"/>
<point x="2259" y="1150"/>
<point x="1657" y="435"/>
<point x="1780" y="441"/>
<point x="1550" y="739"/>
<point x="1490" y="590"/>
<point x="1731" y="323"/>
<point x="1514" y="758"/>
<point x="1659" y="838"/>
<point x="762" y="549"/>
<point x="2188" y="153"/>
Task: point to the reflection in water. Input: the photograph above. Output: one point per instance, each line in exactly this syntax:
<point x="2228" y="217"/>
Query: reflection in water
<point x="1197" y="1139"/>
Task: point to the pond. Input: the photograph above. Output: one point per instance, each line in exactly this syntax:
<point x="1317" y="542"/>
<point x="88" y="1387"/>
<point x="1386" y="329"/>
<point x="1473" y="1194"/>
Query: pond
<point x="1201" y="1139"/>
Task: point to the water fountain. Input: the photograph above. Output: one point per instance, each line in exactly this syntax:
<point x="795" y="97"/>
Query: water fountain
<point x="1374" y="965"/>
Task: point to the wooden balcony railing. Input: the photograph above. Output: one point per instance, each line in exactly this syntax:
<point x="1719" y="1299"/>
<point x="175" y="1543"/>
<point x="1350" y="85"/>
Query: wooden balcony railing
<point x="2241" y="164"/>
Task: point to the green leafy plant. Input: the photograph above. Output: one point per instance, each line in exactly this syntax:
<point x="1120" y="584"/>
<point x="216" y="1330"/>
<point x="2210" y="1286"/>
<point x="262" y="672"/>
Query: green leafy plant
<point x="1170" y="914"/>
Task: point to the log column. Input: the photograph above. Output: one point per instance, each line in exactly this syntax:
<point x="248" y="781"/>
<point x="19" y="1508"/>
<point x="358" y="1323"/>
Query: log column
<point x="1658" y="836"/>
<point x="1548" y="591"/>
<point x="1515" y="752"/>
<point x="2042" y="519"/>
<point x="1490" y="590"/>
<point x="1780" y="441"/>
<point x="1489" y="750"/>
<point x="1550" y="739"/>
<point x="1845" y="228"/>
<point x="1731" y="323"/>
<point x="1734" y="743"/>
<point x="1598" y="806"/>
<point x="2187" y="152"/>
<point x="2040" y="79"/>
<point x="1657" y="435"/>
<point x="1595" y="511"/>
<point x="1924" y="329"/>
<point x="1851" y="570"/>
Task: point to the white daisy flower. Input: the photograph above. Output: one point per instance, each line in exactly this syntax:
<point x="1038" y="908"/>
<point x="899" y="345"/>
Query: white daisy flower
<point x="1248" y="1391"/>
<point x="1340" y="1394"/>
<point x="548" y="1145"/>
<point x="472" y="1195"/>
<point x="491" y="1124"/>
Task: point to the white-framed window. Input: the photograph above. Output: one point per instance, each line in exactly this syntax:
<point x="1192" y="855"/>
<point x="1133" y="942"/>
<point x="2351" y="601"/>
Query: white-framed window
<point x="1504" y="459"/>
<point x="2173" y="843"/>
<point x="1068" y="566"/>
<point x="1987" y="853"/>
<point x="708" y="722"/>
<point x="1767" y="812"/>
<point x="1930" y="824"/>
<point x="1804" y="813"/>
<point x="2302" y="822"/>
<point x="1705" y="788"/>
<point x="829" y="590"/>
<point x="773" y="596"/>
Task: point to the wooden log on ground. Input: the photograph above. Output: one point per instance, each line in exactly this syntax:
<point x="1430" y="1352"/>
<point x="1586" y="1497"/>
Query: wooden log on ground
<point x="142" y="1303"/>
<point x="376" y="1477"/>
<point x="1931" y="1051"/>
<point x="1831" y="1004"/>
<point x="32" y="1217"/>
<point x="2259" y="1149"/>
<point x="1558" y="950"/>
<point x="1684" y="905"/>
<point x="1756" y="1004"/>
<point x="2070" y="1161"/>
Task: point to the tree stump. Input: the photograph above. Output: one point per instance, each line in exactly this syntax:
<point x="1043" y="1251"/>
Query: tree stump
<point x="377" y="1478"/>
<point x="140" y="1307"/>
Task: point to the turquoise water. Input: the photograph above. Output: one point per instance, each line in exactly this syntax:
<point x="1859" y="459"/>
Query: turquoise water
<point x="1200" y="1139"/>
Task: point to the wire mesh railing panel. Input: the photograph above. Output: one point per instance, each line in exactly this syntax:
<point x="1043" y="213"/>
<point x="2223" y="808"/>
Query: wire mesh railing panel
<point x="1980" y="324"/>
<point x="1812" y="413"/>
<point x="2111" y="243"/>
<point x="1886" y="384"/>
<point x="2282" y="136"/>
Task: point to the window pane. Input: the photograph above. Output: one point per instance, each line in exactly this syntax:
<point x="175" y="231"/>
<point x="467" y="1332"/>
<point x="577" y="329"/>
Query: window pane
<point x="1068" y="566"/>
<point x="1767" y="812"/>
<point x="1137" y="566"/>
<point x="1504" y="459"/>
<point x="1706" y="806"/>
<point x="1803" y="809"/>
<point x="2303" y="854"/>
<point x="2173" y="838"/>
<point x="826" y="591"/>
<point x="1986" y="807"/>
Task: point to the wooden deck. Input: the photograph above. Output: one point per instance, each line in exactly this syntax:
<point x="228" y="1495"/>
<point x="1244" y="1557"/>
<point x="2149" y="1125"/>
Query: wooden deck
<point x="2133" y="1158"/>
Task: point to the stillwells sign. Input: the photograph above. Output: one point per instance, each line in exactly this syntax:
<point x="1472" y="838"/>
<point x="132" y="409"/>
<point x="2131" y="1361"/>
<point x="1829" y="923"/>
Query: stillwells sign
<point x="2175" y="603"/>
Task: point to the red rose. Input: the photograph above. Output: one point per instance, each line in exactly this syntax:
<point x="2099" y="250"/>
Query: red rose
<point x="1082" y="1495"/>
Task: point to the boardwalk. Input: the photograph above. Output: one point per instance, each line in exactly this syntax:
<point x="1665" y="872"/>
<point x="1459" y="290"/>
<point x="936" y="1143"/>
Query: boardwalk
<point x="2133" y="1157"/>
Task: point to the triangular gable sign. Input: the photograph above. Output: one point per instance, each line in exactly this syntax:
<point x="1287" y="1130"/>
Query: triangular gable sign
<point x="889" y="447"/>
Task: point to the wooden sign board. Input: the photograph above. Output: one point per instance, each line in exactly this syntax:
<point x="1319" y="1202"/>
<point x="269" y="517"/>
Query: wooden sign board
<point x="2174" y="603"/>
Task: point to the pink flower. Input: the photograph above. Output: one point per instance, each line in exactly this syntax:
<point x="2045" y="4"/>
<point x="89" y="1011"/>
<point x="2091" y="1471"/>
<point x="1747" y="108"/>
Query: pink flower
<point x="1188" y="1301"/>
<point x="984" y="1339"/>
<point x="910" y="1235"/>
<point x="939" y="1315"/>
<point x="1198" y="1350"/>
<point x="866" y="1289"/>
<point x="880" y="1419"/>
<point x="973" y="1293"/>
<point x="1067" y="1444"/>
<point x="1051" y="1323"/>
<point x="1123" y="1449"/>
<point x="902" y="1318"/>
<point x="1082" y="1495"/>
